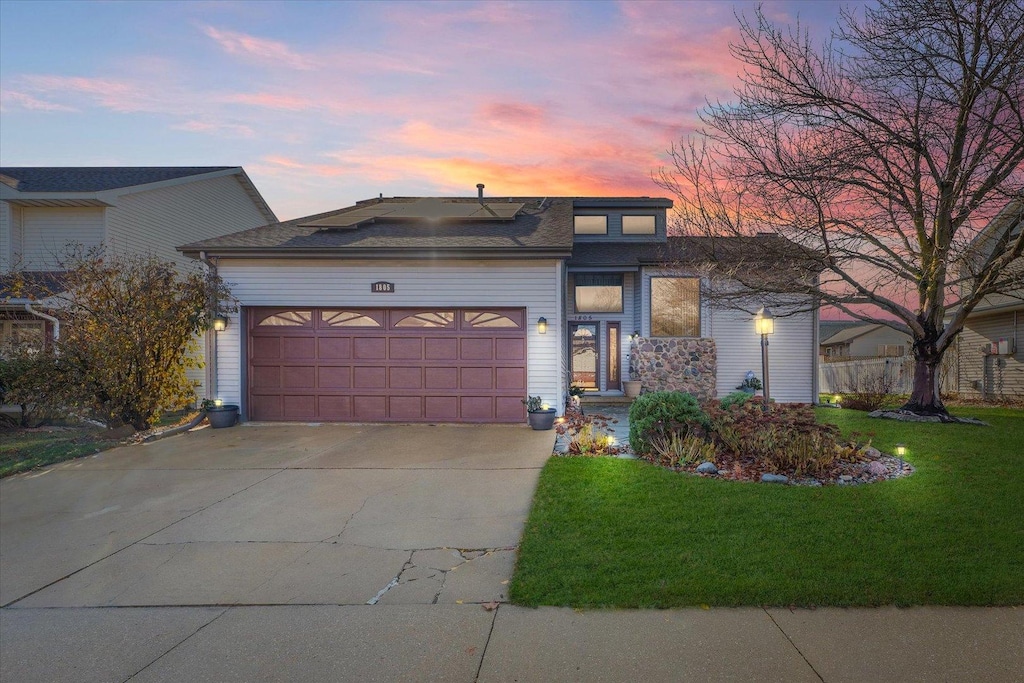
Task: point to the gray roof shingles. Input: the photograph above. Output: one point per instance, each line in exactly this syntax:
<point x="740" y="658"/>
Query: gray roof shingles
<point x="545" y="224"/>
<point x="97" y="178"/>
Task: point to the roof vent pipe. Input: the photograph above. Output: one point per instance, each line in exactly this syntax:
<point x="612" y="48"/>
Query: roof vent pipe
<point x="480" y="192"/>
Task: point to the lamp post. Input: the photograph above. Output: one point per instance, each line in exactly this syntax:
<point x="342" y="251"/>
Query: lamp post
<point x="764" y="324"/>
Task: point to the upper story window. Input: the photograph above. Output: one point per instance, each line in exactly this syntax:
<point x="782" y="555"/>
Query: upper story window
<point x="598" y="293"/>
<point x="675" y="307"/>
<point x="638" y="225"/>
<point x="590" y="225"/>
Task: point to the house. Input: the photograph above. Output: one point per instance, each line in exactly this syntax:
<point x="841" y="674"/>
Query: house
<point x="862" y="340"/>
<point x="139" y="210"/>
<point x="991" y="360"/>
<point x="454" y="309"/>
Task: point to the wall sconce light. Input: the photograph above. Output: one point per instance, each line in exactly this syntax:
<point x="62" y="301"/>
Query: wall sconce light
<point x="220" y="323"/>
<point x="542" y="325"/>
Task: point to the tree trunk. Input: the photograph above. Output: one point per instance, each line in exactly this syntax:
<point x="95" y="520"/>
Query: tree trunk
<point x="924" y="398"/>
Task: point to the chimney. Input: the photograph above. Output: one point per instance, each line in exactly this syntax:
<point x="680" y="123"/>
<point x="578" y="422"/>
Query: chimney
<point x="480" y="192"/>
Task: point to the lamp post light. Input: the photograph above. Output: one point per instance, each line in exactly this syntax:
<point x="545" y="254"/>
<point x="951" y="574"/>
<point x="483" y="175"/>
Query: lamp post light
<point x="764" y="324"/>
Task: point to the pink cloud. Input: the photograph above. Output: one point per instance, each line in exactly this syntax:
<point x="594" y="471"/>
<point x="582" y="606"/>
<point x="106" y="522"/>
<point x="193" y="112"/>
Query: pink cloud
<point x="513" y="113"/>
<point x="18" y="100"/>
<point x="260" y="50"/>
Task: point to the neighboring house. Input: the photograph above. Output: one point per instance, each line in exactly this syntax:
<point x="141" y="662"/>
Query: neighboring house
<point x="455" y="309"/>
<point x="863" y="340"/>
<point x="135" y="210"/>
<point x="991" y="357"/>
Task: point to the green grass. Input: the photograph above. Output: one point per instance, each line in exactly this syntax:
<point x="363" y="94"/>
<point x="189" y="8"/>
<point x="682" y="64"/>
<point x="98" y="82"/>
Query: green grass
<point x="26" y="449"/>
<point x="608" y="532"/>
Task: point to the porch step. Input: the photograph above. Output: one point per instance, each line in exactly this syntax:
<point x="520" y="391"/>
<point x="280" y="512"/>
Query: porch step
<point x="589" y="399"/>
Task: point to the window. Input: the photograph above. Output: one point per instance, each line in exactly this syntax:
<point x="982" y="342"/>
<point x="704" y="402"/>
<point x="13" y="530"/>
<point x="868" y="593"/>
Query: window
<point x="675" y="307"/>
<point x="347" y="319"/>
<point x="638" y="225"/>
<point x="590" y="225"/>
<point x="427" y="319"/>
<point x="598" y="293"/>
<point x="30" y="333"/>
<point x="288" y="319"/>
<point x="487" y="319"/>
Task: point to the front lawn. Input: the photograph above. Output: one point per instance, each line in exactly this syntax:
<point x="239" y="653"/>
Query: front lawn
<point x="610" y="532"/>
<point x="26" y="449"/>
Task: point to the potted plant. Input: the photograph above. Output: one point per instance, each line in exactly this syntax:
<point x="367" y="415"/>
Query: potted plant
<point x="631" y="387"/>
<point x="540" y="416"/>
<point x="220" y="415"/>
<point x="750" y="383"/>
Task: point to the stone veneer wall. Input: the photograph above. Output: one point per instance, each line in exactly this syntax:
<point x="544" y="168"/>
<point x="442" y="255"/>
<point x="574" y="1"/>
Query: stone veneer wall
<point x="687" y="364"/>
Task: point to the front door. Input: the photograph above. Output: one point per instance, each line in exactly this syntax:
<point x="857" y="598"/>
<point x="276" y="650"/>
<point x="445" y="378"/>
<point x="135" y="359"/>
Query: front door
<point x="584" y="355"/>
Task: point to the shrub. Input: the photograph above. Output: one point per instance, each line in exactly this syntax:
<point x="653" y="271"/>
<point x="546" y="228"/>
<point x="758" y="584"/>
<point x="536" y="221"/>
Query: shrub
<point x="661" y="413"/>
<point x="785" y="437"/>
<point x="673" y="449"/>
<point x="30" y="379"/>
<point x="129" y="334"/>
<point x="736" y="398"/>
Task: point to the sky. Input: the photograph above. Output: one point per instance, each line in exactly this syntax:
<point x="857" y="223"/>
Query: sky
<point x="326" y="103"/>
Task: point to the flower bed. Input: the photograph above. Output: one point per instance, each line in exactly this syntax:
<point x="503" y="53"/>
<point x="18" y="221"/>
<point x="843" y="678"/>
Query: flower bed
<point x="748" y="439"/>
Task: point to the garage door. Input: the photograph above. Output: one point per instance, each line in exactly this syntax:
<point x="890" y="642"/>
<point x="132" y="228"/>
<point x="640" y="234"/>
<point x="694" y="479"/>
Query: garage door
<point x="387" y="365"/>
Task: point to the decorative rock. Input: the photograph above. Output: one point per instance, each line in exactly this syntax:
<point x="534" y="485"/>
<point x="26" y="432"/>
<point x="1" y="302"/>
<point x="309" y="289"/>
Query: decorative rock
<point x="774" y="478"/>
<point x="678" y="364"/>
<point x="707" y="468"/>
<point x="877" y="468"/>
<point x="871" y="452"/>
<point x="845" y="478"/>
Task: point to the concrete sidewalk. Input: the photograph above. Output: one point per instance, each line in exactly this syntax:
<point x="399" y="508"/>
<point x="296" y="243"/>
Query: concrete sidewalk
<point x="468" y="643"/>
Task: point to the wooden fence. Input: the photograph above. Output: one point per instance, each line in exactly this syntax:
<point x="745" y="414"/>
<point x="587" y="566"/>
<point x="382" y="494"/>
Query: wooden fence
<point x="886" y="375"/>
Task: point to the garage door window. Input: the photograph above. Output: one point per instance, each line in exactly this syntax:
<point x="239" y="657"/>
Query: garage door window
<point x="288" y="319"/>
<point x="427" y="319"/>
<point x="350" y="319"/>
<point x="487" y="319"/>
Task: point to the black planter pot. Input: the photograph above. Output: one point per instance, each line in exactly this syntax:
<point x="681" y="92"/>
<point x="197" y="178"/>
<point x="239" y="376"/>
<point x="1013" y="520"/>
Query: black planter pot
<point x="542" y="419"/>
<point x="222" y="416"/>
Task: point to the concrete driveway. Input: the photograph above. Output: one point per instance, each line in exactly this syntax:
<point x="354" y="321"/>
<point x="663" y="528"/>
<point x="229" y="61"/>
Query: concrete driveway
<point x="261" y="516"/>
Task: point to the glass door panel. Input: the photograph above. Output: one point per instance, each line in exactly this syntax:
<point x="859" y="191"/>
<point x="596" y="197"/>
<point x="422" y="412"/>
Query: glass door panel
<point x="583" y="354"/>
<point x="614" y="355"/>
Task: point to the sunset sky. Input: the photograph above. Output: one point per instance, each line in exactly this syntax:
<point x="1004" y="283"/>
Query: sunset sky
<point x="325" y="103"/>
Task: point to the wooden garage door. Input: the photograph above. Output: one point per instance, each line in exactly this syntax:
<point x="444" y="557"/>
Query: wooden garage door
<point x="387" y="365"/>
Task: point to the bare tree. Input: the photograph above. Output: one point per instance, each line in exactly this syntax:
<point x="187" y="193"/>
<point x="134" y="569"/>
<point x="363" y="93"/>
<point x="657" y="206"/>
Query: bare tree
<point x="881" y="153"/>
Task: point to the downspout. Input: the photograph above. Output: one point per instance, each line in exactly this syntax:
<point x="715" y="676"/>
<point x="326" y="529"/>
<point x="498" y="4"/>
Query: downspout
<point x="44" y="316"/>
<point x="211" y="339"/>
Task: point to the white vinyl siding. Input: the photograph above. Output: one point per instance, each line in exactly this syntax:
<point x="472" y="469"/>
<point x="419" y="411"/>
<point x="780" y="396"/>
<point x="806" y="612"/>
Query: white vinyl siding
<point x="791" y="353"/>
<point x="160" y="220"/>
<point x="46" y="233"/>
<point x="1003" y="375"/>
<point x="5" y="236"/>
<point x="533" y="285"/>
